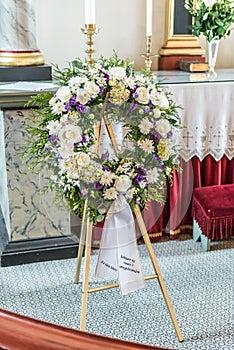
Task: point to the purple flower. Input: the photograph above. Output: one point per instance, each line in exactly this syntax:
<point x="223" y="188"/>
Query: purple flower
<point x="67" y="107"/>
<point x="84" y="192"/>
<point x="146" y="110"/>
<point x="84" y="139"/>
<point x="141" y="170"/>
<point x="139" y="178"/>
<point x="138" y="201"/>
<point x="133" y="106"/>
<point x="170" y="134"/>
<point x="105" y="168"/>
<point x="52" y="138"/>
<point x="97" y="185"/>
<point x="105" y="156"/>
<point x="135" y="94"/>
<point x="73" y="101"/>
<point x="101" y="90"/>
<point x="81" y="108"/>
<point x="157" y="158"/>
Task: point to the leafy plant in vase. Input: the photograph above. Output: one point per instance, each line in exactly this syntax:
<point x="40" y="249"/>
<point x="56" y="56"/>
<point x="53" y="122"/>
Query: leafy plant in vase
<point x="213" y="19"/>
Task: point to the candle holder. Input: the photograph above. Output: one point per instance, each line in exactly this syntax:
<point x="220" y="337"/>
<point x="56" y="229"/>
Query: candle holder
<point x="147" y="55"/>
<point x="90" y="30"/>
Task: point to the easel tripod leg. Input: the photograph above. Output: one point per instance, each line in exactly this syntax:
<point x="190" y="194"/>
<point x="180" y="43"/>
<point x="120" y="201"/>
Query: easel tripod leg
<point x="81" y="244"/>
<point x="158" y="272"/>
<point x="86" y="275"/>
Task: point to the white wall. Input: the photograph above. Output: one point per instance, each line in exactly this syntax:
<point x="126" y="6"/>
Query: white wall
<point x="122" y="28"/>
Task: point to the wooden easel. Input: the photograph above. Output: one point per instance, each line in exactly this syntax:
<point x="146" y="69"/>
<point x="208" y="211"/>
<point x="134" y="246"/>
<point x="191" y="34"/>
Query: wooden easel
<point x="86" y="236"/>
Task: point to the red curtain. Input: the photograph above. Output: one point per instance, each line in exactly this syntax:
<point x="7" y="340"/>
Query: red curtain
<point x="176" y="217"/>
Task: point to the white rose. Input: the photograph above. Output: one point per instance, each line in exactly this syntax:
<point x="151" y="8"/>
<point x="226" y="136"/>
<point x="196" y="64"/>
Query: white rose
<point x="117" y="72"/>
<point x="70" y="133"/>
<point x="142" y="95"/>
<point x="157" y="113"/>
<point x="92" y="88"/>
<point x="163" y="101"/>
<point x="83" y="97"/>
<point x="64" y="93"/>
<point x="209" y="2"/>
<point x="82" y="159"/>
<point x="122" y="183"/>
<point x="163" y="127"/>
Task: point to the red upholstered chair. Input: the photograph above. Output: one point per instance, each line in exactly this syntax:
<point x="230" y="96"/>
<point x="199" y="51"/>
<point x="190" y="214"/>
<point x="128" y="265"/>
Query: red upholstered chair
<point x="213" y="213"/>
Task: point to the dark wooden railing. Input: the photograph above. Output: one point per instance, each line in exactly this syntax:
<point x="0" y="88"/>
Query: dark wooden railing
<point x="18" y="332"/>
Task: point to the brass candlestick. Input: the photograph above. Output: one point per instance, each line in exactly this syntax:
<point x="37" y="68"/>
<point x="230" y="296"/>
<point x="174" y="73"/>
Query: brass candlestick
<point x="90" y="30"/>
<point x="147" y="55"/>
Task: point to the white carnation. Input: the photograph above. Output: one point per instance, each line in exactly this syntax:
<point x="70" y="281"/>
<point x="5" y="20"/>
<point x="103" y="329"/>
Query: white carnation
<point x="53" y="127"/>
<point x="117" y="73"/>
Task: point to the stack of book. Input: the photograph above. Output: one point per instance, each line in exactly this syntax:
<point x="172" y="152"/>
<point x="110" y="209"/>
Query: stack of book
<point x="192" y="66"/>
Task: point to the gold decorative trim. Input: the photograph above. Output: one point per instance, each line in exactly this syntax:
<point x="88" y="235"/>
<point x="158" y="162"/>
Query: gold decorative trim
<point x="31" y="58"/>
<point x="178" y="44"/>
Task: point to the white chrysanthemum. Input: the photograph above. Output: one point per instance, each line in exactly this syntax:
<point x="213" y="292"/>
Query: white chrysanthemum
<point x="83" y="97"/>
<point x="92" y="88"/>
<point x="53" y="127"/>
<point x="143" y="95"/>
<point x="145" y="126"/>
<point x="53" y="101"/>
<point x="70" y="133"/>
<point x="163" y="127"/>
<point x="82" y="159"/>
<point x="64" y="93"/>
<point x="117" y="73"/>
<point x="58" y="108"/>
<point x="146" y="145"/>
<point x="107" y="178"/>
<point x="130" y="82"/>
<point x="110" y="193"/>
<point x="122" y="183"/>
<point x="152" y="175"/>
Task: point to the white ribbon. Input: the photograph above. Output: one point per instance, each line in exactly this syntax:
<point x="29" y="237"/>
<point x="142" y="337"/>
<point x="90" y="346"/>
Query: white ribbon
<point x="118" y="255"/>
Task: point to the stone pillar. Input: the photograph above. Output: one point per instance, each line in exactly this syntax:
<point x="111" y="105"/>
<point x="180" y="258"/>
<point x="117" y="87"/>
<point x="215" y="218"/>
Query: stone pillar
<point x="18" y="45"/>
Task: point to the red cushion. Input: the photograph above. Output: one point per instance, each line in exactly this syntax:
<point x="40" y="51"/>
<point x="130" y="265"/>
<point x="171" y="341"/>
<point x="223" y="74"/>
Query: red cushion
<point x="215" y="201"/>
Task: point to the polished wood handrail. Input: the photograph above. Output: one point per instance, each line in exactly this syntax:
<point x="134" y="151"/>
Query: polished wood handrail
<point x="19" y="332"/>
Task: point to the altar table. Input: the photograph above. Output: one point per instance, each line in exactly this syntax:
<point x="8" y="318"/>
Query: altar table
<point x="207" y="158"/>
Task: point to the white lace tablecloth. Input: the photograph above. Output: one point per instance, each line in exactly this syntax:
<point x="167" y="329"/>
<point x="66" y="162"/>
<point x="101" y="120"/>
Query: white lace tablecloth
<point x="207" y="117"/>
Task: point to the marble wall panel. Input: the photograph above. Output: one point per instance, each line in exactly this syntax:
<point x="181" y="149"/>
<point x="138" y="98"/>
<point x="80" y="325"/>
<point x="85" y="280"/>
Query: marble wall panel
<point x="17" y="25"/>
<point x="33" y="214"/>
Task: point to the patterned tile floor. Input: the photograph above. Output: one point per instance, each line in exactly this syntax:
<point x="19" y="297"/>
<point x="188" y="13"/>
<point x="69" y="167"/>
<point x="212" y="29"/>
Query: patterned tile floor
<point x="200" y="286"/>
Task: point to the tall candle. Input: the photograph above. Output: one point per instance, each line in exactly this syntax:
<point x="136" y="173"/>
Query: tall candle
<point x="89" y="11"/>
<point x="149" y="18"/>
